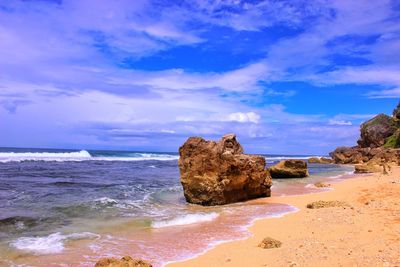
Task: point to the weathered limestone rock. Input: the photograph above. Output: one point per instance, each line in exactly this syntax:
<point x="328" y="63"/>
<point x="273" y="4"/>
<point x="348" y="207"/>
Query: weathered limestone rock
<point x="321" y="185"/>
<point x="367" y="168"/>
<point x="289" y="169"/>
<point x="321" y="160"/>
<point x="357" y="155"/>
<point x="123" y="262"/>
<point x="269" y="242"/>
<point x="326" y="204"/>
<point x="217" y="173"/>
<point x="375" y="131"/>
<point x="390" y="156"/>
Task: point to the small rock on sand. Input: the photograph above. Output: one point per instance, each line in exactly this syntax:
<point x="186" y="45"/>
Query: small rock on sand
<point x="320" y="184"/>
<point x="326" y="204"/>
<point x="123" y="262"/>
<point x="269" y="242"/>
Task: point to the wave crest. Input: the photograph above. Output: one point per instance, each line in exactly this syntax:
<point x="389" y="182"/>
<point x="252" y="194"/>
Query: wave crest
<point x="82" y="155"/>
<point x="186" y="219"/>
<point x="44" y="156"/>
<point x="50" y="244"/>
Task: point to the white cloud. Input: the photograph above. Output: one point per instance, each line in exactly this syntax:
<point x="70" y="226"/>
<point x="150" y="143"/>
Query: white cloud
<point x="390" y="93"/>
<point x="244" y="117"/>
<point x="339" y="122"/>
<point x="240" y="80"/>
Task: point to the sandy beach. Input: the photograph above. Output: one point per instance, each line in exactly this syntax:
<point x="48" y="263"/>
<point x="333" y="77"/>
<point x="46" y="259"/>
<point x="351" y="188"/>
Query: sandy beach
<point x="364" y="232"/>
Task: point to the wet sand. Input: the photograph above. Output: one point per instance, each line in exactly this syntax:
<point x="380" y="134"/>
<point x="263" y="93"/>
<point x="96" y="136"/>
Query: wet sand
<point x="365" y="233"/>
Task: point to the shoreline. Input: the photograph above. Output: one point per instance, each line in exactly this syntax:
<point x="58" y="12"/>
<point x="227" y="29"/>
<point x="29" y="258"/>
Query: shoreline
<point x="337" y="236"/>
<point x="71" y="253"/>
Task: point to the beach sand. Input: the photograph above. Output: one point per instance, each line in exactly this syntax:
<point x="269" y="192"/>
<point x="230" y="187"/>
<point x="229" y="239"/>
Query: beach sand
<point x="364" y="233"/>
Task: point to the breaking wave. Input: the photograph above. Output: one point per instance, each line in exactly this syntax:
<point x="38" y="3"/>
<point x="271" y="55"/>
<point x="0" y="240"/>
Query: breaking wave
<point x="44" y="156"/>
<point x="50" y="244"/>
<point x="186" y="219"/>
<point x="82" y="155"/>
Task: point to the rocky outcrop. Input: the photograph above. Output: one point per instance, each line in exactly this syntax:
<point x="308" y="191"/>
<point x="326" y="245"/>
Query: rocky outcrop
<point x="216" y="173"/>
<point x="321" y="160"/>
<point x="357" y="155"/>
<point x="389" y="155"/>
<point x="367" y="168"/>
<point x="289" y="169"/>
<point x="379" y="143"/>
<point x="375" y="131"/>
<point x="123" y="262"/>
<point x="352" y="155"/>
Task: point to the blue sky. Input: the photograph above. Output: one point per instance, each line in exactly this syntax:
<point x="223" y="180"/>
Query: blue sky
<point x="294" y="77"/>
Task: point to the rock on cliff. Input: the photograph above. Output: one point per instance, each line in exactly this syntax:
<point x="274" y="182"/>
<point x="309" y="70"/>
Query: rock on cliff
<point x="357" y="155"/>
<point x="352" y="155"/>
<point x="379" y="143"/>
<point x="216" y="173"/>
<point x="375" y="131"/>
<point x="289" y="169"/>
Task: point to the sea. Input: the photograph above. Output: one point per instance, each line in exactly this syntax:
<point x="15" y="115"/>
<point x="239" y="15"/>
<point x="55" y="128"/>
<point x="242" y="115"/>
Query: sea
<point x="73" y="207"/>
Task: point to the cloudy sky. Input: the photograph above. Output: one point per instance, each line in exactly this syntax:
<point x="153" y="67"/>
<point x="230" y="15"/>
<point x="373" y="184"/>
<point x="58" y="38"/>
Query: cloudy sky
<point x="295" y="77"/>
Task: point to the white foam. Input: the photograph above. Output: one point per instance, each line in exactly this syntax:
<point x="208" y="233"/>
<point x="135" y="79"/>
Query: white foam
<point x="106" y="201"/>
<point x="44" y="156"/>
<point x="186" y="219"/>
<point x="310" y="186"/>
<point x="82" y="155"/>
<point x="51" y="244"/>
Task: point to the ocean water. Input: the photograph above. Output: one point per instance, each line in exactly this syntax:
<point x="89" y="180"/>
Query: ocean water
<point x="74" y="207"/>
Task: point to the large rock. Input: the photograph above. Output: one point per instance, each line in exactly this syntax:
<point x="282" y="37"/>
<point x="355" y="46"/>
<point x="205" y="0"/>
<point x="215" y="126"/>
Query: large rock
<point x="358" y="155"/>
<point x="379" y="143"/>
<point x="367" y="168"/>
<point x="391" y="156"/>
<point x="123" y="262"/>
<point x="375" y="131"/>
<point x="216" y="173"/>
<point x="320" y="160"/>
<point x="289" y="169"/>
<point x="350" y="155"/>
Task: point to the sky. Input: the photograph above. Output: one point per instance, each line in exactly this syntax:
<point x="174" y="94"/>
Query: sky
<point x="288" y="77"/>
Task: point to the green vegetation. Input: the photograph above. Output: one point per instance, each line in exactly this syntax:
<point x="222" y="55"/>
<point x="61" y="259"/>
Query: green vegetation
<point x="380" y="119"/>
<point x="393" y="141"/>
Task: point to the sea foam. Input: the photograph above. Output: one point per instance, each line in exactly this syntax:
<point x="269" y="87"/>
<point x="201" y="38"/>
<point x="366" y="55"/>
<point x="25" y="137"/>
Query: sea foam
<point x="51" y="244"/>
<point x="44" y="156"/>
<point x="82" y="155"/>
<point x="186" y="219"/>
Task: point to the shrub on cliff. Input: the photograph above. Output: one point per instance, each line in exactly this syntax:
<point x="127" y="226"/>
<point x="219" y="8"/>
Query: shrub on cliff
<point x="393" y="141"/>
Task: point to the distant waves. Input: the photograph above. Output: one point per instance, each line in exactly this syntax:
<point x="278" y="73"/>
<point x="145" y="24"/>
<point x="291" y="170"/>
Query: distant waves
<point x="82" y="155"/>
